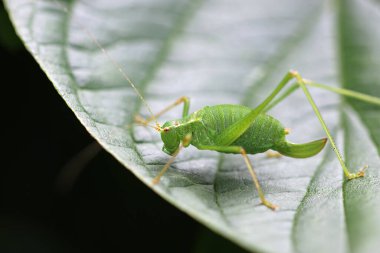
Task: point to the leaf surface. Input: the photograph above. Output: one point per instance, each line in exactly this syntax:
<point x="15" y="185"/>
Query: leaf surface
<point x="219" y="52"/>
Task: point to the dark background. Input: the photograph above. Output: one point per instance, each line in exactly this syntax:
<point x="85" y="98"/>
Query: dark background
<point x="106" y="209"/>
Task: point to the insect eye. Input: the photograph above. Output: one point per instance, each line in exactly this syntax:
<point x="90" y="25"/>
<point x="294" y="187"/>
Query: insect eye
<point x="166" y="129"/>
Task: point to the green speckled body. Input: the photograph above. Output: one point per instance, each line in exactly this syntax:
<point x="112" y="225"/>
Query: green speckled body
<point x="206" y="124"/>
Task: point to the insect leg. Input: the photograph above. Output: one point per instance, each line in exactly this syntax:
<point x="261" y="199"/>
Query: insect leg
<point x="345" y="92"/>
<point x="234" y="131"/>
<point x="240" y="150"/>
<point x="185" y="142"/>
<point x="185" y="112"/>
<point x="347" y="173"/>
<point x="286" y="93"/>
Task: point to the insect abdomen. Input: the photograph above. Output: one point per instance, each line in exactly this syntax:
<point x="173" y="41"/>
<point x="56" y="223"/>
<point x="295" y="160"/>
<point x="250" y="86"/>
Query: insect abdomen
<point x="262" y="135"/>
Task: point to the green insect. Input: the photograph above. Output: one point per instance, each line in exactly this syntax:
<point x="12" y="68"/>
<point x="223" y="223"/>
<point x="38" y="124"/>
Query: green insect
<point x="241" y="130"/>
<point x="238" y="129"/>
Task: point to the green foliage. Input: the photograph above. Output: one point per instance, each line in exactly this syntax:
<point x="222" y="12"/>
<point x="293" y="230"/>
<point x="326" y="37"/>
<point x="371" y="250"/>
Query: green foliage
<point x="228" y="52"/>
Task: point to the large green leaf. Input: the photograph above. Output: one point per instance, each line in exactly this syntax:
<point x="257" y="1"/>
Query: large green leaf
<point x="228" y="52"/>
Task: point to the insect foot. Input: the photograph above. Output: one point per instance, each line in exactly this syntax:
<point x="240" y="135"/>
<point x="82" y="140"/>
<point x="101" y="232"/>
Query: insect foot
<point x="272" y="154"/>
<point x="360" y="173"/>
<point x="287" y="131"/>
<point x="270" y="205"/>
<point x="155" y="181"/>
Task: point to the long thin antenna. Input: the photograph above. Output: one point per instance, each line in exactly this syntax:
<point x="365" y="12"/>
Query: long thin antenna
<point x="114" y="62"/>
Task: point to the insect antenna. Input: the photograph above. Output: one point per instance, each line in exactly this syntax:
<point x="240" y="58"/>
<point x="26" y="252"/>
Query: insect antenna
<point x="156" y="127"/>
<point x="113" y="61"/>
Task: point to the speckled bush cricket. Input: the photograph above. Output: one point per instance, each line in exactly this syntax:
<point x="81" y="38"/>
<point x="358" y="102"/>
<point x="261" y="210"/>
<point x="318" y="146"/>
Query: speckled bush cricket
<point x="237" y="129"/>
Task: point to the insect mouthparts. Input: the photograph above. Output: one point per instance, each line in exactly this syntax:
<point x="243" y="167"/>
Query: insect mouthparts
<point x="158" y="127"/>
